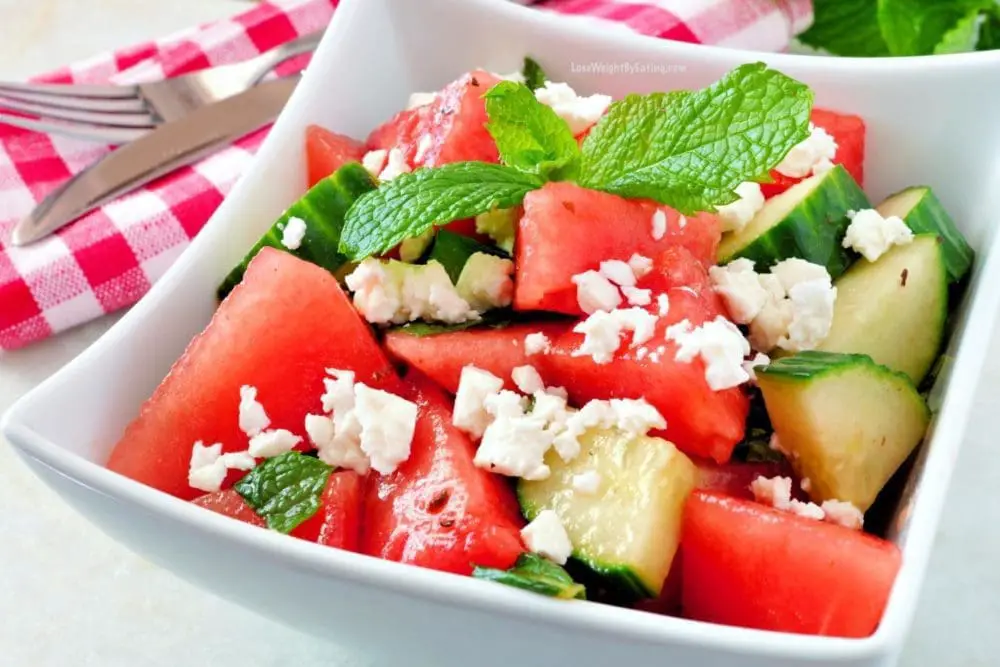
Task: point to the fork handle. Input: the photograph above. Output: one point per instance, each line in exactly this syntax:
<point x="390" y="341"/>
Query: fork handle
<point x="267" y="61"/>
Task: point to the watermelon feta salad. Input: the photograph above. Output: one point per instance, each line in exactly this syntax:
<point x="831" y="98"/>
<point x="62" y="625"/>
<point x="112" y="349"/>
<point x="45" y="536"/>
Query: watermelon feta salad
<point x="660" y="352"/>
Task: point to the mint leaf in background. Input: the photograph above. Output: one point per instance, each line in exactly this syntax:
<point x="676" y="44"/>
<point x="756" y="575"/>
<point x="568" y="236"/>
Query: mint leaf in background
<point x="534" y="75"/>
<point x="989" y="31"/>
<point x="412" y="203"/>
<point x="689" y="150"/>
<point x="529" y="134"/>
<point x="536" y="574"/>
<point x="916" y="27"/>
<point x="454" y="250"/>
<point x="961" y="38"/>
<point x="285" y="490"/>
<point x="846" y="28"/>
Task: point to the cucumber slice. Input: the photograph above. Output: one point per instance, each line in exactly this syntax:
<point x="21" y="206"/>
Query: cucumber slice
<point x="627" y="532"/>
<point x="922" y="212"/>
<point x="894" y="309"/>
<point x="807" y="220"/>
<point x="847" y="422"/>
<point x="323" y="209"/>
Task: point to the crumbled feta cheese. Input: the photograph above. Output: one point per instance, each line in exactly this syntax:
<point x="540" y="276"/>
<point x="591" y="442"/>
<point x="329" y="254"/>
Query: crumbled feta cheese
<point x="320" y="430"/>
<point x="505" y="405"/>
<point x="740" y="289"/>
<point x="618" y="272"/>
<point x="238" y="460"/>
<point x="659" y="224"/>
<point x="807" y="510"/>
<point x="547" y="537"/>
<point x="420" y="100"/>
<point x="735" y="216"/>
<point x="578" y="112"/>
<point x="253" y="418"/>
<point x="527" y="379"/>
<point x="636" y="417"/>
<point x="640" y="265"/>
<point x="595" y="293"/>
<point x="588" y="482"/>
<point x="387" y="426"/>
<point x="338" y="398"/>
<point x="794" y="271"/>
<point x="514" y="444"/>
<point x="682" y="221"/>
<point x="637" y="296"/>
<point x="759" y="361"/>
<point x="602" y="332"/>
<point x="536" y="343"/>
<point x="817" y="150"/>
<point x="641" y="353"/>
<point x="777" y="492"/>
<point x="719" y="344"/>
<point x="771" y="324"/>
<point x="294" y="232"/>
<point x="871" y="235"/>
<point x="844" y="514"/>
<point x="395" y="165"/>
<point x="662" y="305"/>
<point x="424" y="145"/>
<point x="374" y="161"/>
<point x="268" y="444"/>
<point x="396" y="292"/>
<point x="812" y="314"/>
<point x="474" y="385"/>
<point x="206" y="470"/>
<point x="486" y="281"/>
<point x="338" y="446"/>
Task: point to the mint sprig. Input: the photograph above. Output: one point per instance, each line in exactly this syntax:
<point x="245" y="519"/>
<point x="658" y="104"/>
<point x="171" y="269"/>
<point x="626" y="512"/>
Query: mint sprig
<point x="536" y="574"/>
<point x="689" y="150"/>
<point x="534" y="75"/>
<point x="285" y="490"/>
<point x="529" y="135"/>
<point x="412" y="203"/>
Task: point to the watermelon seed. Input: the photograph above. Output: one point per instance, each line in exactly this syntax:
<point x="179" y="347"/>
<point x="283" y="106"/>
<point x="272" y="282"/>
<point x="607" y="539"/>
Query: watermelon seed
<point x="438" y="502"/>
<point x="903" y="276"/>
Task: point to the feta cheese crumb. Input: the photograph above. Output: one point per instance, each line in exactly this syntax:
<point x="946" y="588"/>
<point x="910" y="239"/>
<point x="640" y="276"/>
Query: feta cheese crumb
<point x="659" y="224"/>
<point x="812" y="314"/>
<point x="547" y="537"/>
<point x="339" y="447"/>
<point x="844" y="514"/>
<point x="595" y="293"/>
<point x="618" y="272"/>
<point x="486" y="281"/>
<point x="396" y="292"/>
<point x="662" y="305"/>
<point x="527" y="379"/>
<point x="794" y="271"/>
<point x="740" y="289"/>
<point x="719" y="344"/>
<point x="387" y="426"/>
<point x="420" y="100"/>
<point x="817" y="150"/>
<point x="588" y="482"/>
<point x="682" y="221"/>
<point x="395" y="165"/>
<point x="253" y="419"/>
<point x="602" y="332"/>
<point x="759" y="361"/>
<point x="514" y="444"/>
<point x="735" y="216"/>
<point x="578" y="112"/>
<point x="636" y="417"/>
<point x="640" y="265"/>
<point x="777" y="492"/>
<point x="469" y="413"/>
<point x="423" y="146"/>
<point x="238" y="460"/>
<point x="637" y="296"/>
<point x="338" y="398"/>
<point x="294" y="232"/>
<point x="268" y="444"/>
<point x="206" y="471"/>
<point x="374" y="161"/>
<point x="536" y="343"/>
<point x="872" y="236"/>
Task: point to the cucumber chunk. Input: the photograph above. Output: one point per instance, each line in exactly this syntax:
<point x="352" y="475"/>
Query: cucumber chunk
<point x="808" y="220"/>
<point x="894" y="309"/>
<point x="847" y="422"/>
<point x="323" y="209"/>
<point x="627" y="532"/>
<point x="922" y="212"/>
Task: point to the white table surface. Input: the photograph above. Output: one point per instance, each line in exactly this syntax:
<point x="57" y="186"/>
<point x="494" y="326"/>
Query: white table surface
<point x="71" y="596"/>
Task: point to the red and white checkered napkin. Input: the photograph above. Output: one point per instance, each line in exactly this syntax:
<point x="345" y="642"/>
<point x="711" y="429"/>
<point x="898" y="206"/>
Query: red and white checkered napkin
<point x="108" y="259"/>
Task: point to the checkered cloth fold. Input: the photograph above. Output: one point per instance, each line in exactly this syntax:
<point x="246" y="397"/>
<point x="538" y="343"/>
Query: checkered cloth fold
<point x="110" y="258"/>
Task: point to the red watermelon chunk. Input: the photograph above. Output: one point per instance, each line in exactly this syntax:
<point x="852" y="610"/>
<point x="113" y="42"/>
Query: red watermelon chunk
<point x="437" y="510"/>
<point x="700" y="421"/>
<point x="337" y="522"/>
<point x="566" y="230"/>
<point x="231" y="504"/>
<point x="752" y="566"/>
<point x="849" y="133"/>
<point x="277" y="331"/>
<point x="454" y="124"/>
<point x="443" y="356"/>
<point x="327" y="151"/>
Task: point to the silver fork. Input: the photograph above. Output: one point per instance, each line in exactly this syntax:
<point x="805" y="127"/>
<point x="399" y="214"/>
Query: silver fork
<point x="118" y="114"/>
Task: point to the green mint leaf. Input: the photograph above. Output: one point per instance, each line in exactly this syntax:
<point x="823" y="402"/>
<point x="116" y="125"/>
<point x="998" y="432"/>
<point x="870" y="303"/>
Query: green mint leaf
<point x="529" y="135"/>
<point x="494" y="319"/>
<point x="454" y="250"/>
<point x="534" y="75"/>
<point x="536" y="574"/>
<point x="846" y="28"/>
<point x="917" y="27"/>
<point x="989" y="31"/>
<point x="689" y="150"/>
<point x="285" y="490"/>
<point x="412" y="203"/>
<point x="962" y="38"/>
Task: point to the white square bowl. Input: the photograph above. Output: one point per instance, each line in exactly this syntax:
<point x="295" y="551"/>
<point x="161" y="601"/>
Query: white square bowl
<point x="930" y="120"/>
